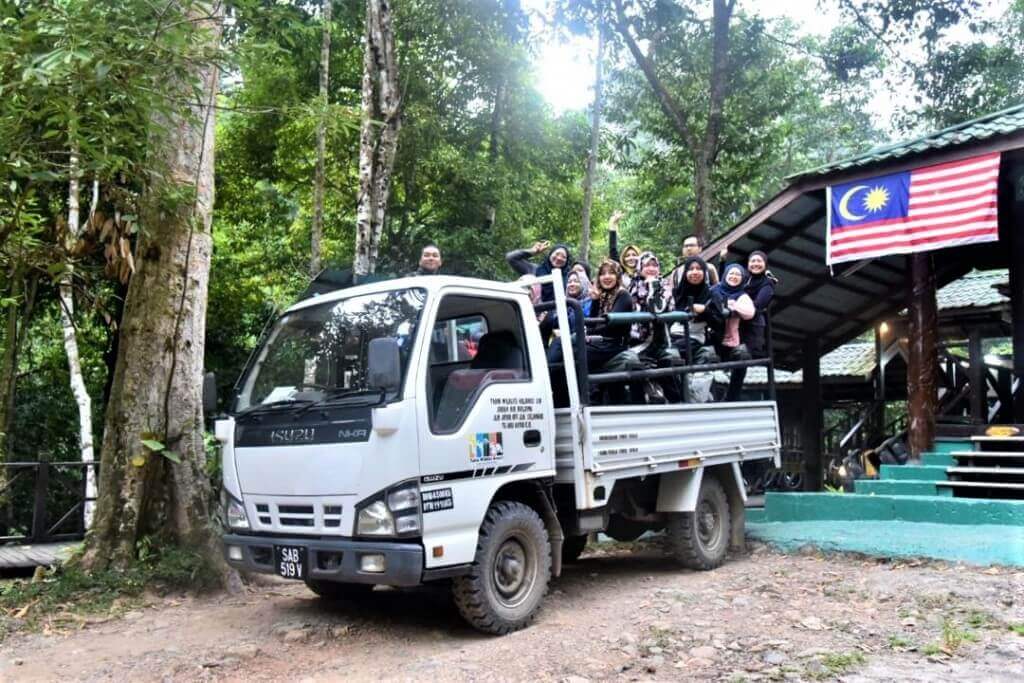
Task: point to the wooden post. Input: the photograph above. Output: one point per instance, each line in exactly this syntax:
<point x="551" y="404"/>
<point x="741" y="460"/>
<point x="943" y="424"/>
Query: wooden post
<point x="812" y="423"/>
<point x="878" y="412"/>
<point x="1017" y="295"/>
<point x="976" y="378"/>
<point x="922" y="397"/>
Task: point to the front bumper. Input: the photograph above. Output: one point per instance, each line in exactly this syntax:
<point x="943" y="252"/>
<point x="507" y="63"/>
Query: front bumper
<point x="333" y="560"/>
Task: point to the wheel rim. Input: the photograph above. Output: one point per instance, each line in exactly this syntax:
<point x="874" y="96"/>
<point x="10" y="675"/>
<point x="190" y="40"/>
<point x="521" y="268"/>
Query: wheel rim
<point x="709" y="524"/>
<point x="514" y="572"/>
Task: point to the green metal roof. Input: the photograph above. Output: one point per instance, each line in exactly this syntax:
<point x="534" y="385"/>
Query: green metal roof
<point x="999" y="123"/>
<point x="977" y="289"/>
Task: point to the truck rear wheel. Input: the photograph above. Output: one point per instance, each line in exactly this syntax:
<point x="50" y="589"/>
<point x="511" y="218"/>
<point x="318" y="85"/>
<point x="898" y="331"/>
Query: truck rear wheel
<point x="335" y="590"/>
<point x="510" y="572"/>
<point x="700" y="539"/>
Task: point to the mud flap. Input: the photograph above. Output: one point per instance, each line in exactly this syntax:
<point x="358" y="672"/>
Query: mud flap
<point x="677" y="491"/>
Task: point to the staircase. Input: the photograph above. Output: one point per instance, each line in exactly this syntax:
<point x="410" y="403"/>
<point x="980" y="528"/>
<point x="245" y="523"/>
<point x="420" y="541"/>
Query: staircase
<point x="964" y="502"/>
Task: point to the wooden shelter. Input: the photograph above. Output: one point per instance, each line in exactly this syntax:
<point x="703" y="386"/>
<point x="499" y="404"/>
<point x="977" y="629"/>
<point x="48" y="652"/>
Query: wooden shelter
<point x="818" y="309"/>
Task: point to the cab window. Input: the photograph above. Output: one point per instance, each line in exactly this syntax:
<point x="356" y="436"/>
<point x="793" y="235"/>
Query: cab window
<point x="475" y="342"/>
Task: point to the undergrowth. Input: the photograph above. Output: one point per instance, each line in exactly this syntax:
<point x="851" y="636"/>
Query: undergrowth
<point x="72" y="594"/>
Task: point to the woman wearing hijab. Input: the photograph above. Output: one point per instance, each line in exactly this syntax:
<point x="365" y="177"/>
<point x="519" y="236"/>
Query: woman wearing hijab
<point x="577" y="287"/>
<point x="760" y="288"/>
<point x="559" y="257"/>
<point x="630" y="255"/>
<point x="693" y="295"/>
<point x="734" y="305"/>
<point x="650" y="294"/>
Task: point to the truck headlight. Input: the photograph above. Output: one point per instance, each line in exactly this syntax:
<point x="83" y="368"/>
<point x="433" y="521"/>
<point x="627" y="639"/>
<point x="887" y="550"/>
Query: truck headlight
<point x="234" y="513"/>
<point x="392" y="512"/>
<point x="407" y="498"/>
<point x="375" y="520"/>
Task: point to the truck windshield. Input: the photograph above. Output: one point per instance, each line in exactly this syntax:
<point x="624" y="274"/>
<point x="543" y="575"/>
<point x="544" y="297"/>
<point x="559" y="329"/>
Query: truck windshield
<point x="319" y="351"/>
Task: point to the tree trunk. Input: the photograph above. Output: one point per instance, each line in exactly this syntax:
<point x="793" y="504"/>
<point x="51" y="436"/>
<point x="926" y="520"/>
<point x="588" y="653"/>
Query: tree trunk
<point x="381" y="120"/>
<point x="156" y="393"/>
<point x="67" y="311"/>
<point x="315" y="259"/>
<point x="595" y="138"/>
<point x="704" y="145"/>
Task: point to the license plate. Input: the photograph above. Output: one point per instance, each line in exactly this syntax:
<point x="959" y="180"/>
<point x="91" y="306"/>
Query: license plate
<point x="290" y="561"/>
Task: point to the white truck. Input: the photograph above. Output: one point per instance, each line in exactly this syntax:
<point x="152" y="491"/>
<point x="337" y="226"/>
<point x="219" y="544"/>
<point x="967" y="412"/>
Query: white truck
<point x="407" y="431"/>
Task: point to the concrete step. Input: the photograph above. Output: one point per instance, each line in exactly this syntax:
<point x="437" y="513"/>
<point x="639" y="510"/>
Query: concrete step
<point x="947" y="445"/>
<point x="962" y="455"/>
<point x="990" y="471"/>
<point x="915" y="472"/>
<point x="792" y="507"/>
<point x="1001" y="485"/>
<point x="938" y="459"/>
<point x="900" y="487"/>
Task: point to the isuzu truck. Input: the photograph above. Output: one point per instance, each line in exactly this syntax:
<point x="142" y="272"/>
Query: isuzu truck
<point x="414" y="430"/>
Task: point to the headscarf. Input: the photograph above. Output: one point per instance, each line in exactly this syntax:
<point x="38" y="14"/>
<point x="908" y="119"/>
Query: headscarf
<point x="756" y="282"/>
<point x="585" y="266"/>
<point x="639" y="288"/>
<point x="727" y="291"/>
<point x="547" y="292"/>
<point x="627" y="270"/>
<point x="685" y="292"/>
<point x="584" y="285"/>
<point x="606" y="297"/>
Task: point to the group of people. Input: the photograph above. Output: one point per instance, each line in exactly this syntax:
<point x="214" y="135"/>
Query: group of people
<point x="727" y="302"/>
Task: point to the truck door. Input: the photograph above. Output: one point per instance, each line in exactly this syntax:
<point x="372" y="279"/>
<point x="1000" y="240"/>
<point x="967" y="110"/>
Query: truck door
<point x="484" y="417"/>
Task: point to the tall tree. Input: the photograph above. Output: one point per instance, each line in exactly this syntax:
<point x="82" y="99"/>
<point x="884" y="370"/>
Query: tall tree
<point x="381" y="121"/>
<point x="153" y="479"/>
<point x="321" y="141"/>
<point x="703" y="140"/>
<point x="67" y="312"/>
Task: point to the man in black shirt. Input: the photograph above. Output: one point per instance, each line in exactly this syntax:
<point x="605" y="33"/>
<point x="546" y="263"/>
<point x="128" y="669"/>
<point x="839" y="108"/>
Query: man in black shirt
<point x="430" y="261"/>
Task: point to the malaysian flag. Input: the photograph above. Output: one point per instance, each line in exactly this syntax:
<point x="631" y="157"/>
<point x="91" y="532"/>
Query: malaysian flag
<point x="919" y="210"/>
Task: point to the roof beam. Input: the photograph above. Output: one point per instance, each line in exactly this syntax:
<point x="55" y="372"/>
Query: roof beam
<point x="832" y="282"/>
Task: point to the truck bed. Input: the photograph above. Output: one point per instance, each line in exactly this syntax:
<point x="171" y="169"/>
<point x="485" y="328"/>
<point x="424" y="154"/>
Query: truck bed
<point x="620" y="442"/>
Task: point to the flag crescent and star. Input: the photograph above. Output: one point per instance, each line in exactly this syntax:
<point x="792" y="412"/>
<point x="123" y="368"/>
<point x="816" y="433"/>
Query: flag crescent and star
<point x="922" y="209"/>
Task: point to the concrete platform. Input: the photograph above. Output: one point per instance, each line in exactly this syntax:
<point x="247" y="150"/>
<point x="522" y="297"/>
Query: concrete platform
<point x="939" y="509"/>
<point x="976" y="544"/>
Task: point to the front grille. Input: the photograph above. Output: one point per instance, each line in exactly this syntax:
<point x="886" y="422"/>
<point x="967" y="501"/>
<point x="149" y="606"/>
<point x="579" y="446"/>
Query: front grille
<point x="311" y="516"/>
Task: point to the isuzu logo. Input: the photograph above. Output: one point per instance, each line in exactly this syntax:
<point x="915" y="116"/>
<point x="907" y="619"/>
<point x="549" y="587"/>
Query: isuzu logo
<point x="296" y="435"/>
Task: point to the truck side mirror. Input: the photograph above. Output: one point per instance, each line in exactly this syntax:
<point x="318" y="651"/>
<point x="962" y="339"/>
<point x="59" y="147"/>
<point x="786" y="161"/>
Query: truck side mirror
<point x="383" y="364"/>
<point x="209" y="393"/>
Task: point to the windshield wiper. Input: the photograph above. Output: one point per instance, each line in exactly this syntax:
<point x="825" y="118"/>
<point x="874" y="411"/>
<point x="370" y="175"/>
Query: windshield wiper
<point x="274" y="405"/>
<point x="339" y="394"/>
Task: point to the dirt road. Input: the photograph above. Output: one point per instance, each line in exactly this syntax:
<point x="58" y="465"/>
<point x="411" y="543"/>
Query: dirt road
<point x="618" y="614"/>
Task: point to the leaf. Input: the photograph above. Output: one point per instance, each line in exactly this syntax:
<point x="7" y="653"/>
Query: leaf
<point x="153" y="445"/>
<point x="172" y="456"/>
<point x="138" y="460"/>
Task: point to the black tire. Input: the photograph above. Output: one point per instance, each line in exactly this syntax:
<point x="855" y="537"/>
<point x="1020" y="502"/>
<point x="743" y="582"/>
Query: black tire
<point x="573" y="547"/>
<point x="700" y="539"/>
<point x="335" y="590"/>
<point x="510" y="572"/>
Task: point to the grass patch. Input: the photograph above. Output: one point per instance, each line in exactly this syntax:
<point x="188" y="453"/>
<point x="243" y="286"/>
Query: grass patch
<point x="1017" y="628"/>
<point x="837" y="664"/>
<point x="953" y="637"/>
<point x="70" y="594"/>
<point x="898" y="643"/>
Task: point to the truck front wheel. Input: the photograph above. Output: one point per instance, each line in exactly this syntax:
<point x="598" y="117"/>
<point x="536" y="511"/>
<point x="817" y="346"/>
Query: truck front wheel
<point x="700" y="539"/>
<point x="510" y="571"/>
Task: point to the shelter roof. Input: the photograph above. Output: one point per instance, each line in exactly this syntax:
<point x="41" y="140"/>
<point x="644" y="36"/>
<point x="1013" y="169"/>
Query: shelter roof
<point x="984" y="127"/>
<point x="835" y="306"/>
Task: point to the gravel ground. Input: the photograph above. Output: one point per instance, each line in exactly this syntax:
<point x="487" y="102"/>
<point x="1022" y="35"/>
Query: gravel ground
<point x="623" y="612"/>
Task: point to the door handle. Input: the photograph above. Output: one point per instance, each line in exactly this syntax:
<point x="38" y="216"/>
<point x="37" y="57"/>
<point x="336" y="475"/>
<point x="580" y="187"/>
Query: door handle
<point x="531" y="438"/>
